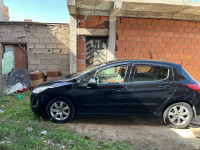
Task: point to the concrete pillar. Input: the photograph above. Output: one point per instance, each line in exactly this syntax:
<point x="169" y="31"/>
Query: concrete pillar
<point x="112" y="38"/>
<point x="73" y="44"/>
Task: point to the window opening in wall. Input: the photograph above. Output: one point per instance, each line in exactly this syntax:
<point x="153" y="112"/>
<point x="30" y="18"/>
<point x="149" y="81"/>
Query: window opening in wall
<point x="96" y="51"/>
<point x="14" y="56"/>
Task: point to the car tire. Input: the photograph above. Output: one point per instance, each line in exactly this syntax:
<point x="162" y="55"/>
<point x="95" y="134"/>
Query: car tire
<point x="60" y="110"/>
<point x="178" y="115"/>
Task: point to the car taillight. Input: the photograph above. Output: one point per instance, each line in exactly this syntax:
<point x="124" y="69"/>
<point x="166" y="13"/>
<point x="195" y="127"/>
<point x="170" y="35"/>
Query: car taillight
<point x="195" y="87"/>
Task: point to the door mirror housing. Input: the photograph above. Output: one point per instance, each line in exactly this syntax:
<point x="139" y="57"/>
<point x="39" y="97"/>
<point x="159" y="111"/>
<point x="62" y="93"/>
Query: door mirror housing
<point x="92" y="83"/>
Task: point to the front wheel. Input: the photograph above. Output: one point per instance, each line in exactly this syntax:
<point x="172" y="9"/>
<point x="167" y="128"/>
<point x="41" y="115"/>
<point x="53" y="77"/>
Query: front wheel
<point x="60" y="110"/>
<point x="178" y="115"/>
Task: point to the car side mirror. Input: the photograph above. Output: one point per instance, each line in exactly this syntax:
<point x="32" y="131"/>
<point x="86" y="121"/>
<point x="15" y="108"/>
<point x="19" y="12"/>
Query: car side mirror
<point x="92" y="83"/>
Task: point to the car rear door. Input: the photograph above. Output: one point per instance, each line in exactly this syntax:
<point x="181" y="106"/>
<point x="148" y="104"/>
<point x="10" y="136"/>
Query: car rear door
<point x="150" y="85"/>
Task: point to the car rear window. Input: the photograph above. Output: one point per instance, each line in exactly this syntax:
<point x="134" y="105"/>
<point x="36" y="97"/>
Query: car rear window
<point x="186" y="74"/>
<point x="150" y="73"/>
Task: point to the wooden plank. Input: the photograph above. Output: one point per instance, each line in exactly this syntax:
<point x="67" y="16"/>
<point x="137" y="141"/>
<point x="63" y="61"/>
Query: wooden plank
<point x="21" y="61"/>
<point x="92" y="32"/>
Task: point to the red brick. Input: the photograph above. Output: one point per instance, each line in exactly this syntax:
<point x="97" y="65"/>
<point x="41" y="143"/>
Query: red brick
<point x="133" y="43"/>
<point x="92" y="23"/>
<point x="144" y="38"/>
<point x="178" y="23"/>
<point x="80" y="66"/>
<point x="151" y="27"/>
<point x="170" y="22"/>
<point x="155" y="22"/>
<point x="120" y="26"/>
<point x="124" y="20"/>
<point x="80" y="17"/>
<point x="130" y="38"/>
<point x="132" y="20"/>
<point x="125" y="43"/>
<point x="163" y="34"/>
<point x="159" y="39"/>
<point x="130" y="49"/>
<point x="158" y="28"/>
<point x="104" y="18"/>
<point x="143" y="27"/>
<point x="122" y="37"/>
<point x="155" y="44"/>
<point x="120" y="32"/>
<point x="135" y="27"/>
<point x="195" y="30"/>
<point x="185" y="23"/>
<point x="166" y="39"/>
<point x="96" y="18"/>
<point x="181" y="29"/>
<point x="189" y="30"/>
<point x="152" y="39"/>
<point x="137" y="38"/>
<point x="126" y="32"/>
<point x="80" y="50"/>
<point x="163" y="22"/>
<point x="133" y="32"/>
<point x="118" y="43"/>
<point x="118" y="20"/>
<point x="174" y="29"/>
<point x="147" y="44"/>
<point x="166" y="28"/>
<point x="192" y="24"/>
<point x="127" y="26"/>
<point x="191" y="35"/>
<point x="81" y="56"/>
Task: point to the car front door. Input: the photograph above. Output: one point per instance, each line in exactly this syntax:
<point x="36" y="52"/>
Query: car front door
<point x="111" y="80"/>
<point x="150" y="85"/>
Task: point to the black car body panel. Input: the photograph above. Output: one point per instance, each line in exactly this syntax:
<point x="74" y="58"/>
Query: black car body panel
<point x="127" y="98"/>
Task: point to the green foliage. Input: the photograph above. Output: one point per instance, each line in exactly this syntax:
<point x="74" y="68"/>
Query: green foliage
<point x="20" y="129"/>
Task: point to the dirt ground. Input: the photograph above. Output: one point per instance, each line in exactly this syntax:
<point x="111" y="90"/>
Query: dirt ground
<point x="147" y="133"/>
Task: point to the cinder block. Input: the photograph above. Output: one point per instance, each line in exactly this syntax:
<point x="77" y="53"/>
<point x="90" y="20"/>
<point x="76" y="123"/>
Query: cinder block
<point x="45" y="40"/>
<point x="41" y="67"/>
<point x="31" y="67"/>
<point x="51" y="46"/>
<point x="41" y="56"/>
<point x="39" y="45"/>
<point x="45" y="61"/>
<point x="34" y="40"/>
<point x="52" y="56"/>
<point x="35" y="62"/>
<point x="52" y="67"/>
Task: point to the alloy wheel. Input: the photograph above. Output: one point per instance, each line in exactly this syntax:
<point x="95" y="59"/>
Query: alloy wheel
<point x="178" y="115"/>
<point x="59" y="110"/>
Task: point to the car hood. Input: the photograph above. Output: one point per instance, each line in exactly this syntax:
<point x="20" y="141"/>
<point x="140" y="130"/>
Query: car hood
<point x="60" y="81"/>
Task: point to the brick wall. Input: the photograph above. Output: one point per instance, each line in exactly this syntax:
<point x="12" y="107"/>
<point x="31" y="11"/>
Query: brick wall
<point x="91" y="22"/>
<point x="178" y="41"/>
<point x="47" y="45"/>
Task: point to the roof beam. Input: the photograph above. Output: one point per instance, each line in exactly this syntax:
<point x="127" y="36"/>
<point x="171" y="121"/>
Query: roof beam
<point x="92" y="32"/>
<point x="72" y="7"/>
<point x="116" y="8"/>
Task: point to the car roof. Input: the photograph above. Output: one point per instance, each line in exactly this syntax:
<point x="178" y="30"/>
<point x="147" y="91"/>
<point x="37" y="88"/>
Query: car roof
<point x="174" y="65"/>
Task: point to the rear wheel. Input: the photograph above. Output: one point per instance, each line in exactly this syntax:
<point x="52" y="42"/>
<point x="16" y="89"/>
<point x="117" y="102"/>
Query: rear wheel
<point x="60" y="110"/>
<point x="178" y="115"/>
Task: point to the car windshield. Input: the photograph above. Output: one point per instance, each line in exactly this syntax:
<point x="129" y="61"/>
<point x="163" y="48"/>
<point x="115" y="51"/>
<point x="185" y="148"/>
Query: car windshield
<point x="78" y="74"/>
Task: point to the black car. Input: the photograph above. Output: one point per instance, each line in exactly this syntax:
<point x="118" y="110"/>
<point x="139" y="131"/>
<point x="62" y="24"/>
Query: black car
<point x="127" y="87"/>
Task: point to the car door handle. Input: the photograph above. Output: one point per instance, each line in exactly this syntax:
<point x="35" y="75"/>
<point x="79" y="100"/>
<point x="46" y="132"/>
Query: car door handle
<point x="164" y="86"/>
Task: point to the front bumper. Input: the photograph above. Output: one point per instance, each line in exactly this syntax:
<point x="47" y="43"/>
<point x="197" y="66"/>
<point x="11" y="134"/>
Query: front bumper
<point x="38" y="103"/>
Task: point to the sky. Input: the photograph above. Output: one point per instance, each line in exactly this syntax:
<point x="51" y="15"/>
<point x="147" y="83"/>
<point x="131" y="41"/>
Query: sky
<point x="50" y="11"/>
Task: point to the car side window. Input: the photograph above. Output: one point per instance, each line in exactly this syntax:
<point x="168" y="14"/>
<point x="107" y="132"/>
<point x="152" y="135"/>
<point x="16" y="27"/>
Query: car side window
<point x="110" y="75"/>
<point x="146" y="73"/>
<point x="84" y="80"/>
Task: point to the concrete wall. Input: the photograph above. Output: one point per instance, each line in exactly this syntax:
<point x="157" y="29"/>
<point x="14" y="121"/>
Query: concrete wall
<point x="176" y="41"/>
<point x="47" y="44"/>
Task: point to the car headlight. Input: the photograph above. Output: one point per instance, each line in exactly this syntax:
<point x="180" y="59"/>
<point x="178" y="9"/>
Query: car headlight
<point x="40" y="89"/>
